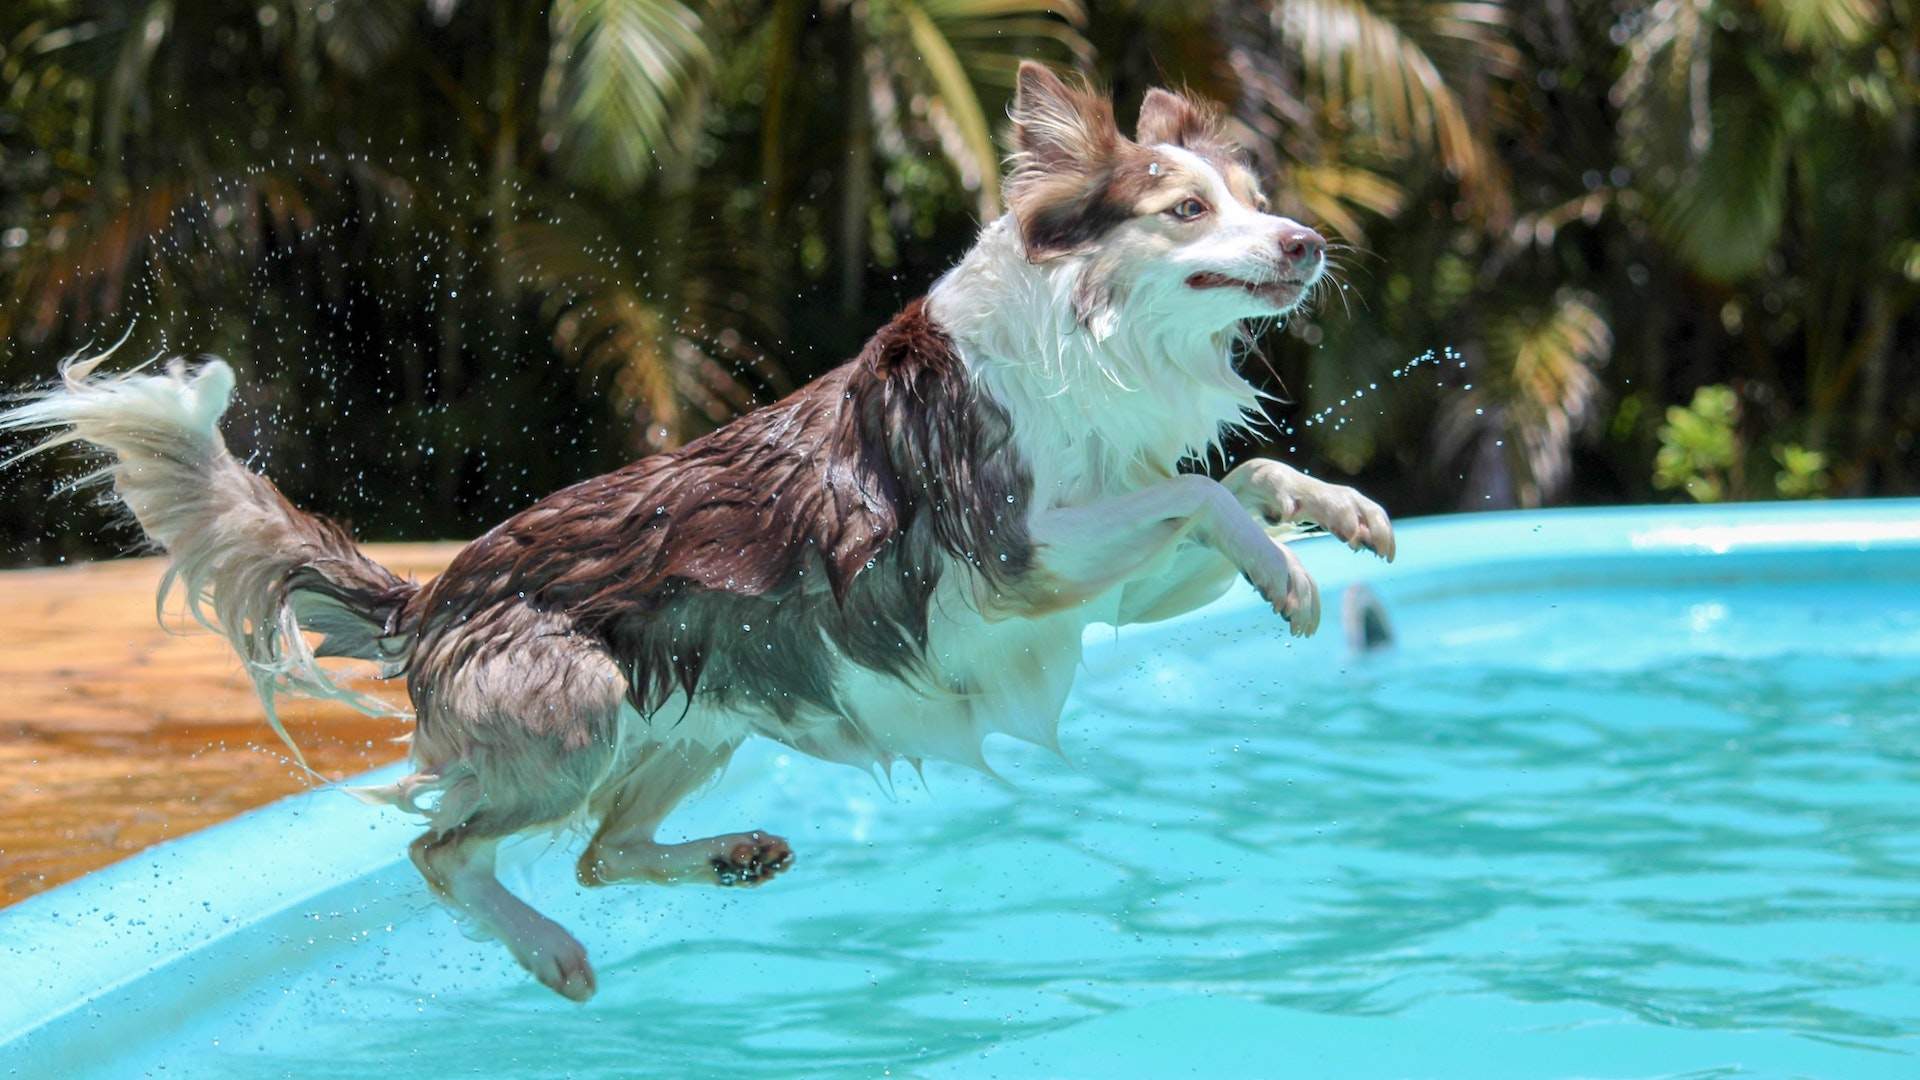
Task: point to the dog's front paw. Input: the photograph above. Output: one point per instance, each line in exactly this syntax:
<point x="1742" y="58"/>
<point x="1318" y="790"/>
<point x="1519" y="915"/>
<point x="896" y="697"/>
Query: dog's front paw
<point x="1284" y="583"/>
<point x="1282" y="495"/>
<point x="1352" y="517"/>
<point x="751" y="859"/>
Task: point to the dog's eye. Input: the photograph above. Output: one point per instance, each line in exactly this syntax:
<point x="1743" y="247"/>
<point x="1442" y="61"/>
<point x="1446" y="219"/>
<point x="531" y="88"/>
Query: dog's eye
<point x="1188" y="209"/>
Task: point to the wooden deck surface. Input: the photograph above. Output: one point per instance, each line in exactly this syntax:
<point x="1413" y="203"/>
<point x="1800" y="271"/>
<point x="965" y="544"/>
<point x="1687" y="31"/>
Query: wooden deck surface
<point x="116" y="733"/>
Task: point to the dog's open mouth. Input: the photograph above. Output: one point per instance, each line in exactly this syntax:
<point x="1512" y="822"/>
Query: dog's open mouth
<point x="1280" y="292"/>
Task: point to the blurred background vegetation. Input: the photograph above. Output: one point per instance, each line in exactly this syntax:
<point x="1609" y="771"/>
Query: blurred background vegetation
<point x="464" y="252"/>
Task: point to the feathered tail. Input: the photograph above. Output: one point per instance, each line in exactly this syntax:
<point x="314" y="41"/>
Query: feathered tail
<point x="254" y="568"/>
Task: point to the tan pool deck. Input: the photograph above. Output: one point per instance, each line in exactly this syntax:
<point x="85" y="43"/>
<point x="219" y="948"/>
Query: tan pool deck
<point x="117" y="733"/>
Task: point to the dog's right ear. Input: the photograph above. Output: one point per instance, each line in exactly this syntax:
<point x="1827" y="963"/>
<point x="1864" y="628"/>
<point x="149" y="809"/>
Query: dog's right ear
<point x="1066" y="147"/>
<point x="1060" y="127"/>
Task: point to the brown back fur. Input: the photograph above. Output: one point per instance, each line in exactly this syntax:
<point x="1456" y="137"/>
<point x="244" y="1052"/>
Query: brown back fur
<point x="736" y="566"/>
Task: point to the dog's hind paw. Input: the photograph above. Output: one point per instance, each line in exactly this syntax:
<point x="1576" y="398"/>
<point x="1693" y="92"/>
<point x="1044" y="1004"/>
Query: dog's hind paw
<point x="551" y="955"/>
<point x="751" y="859"/>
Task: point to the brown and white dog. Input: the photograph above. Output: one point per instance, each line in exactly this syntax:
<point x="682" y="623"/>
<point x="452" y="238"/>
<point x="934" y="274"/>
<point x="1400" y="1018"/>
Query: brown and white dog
<point x="894" y="562"/>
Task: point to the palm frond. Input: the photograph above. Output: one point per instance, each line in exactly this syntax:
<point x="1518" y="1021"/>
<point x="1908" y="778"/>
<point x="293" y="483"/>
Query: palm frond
<point x="94" y="250"/>
<point x="944" y="50"/>
<point x="1666" y="118"/>
<point x="671" y="368"/>
<point x="1725" y="213"/>
<point x="1822" y="24"/>
<point x="618" y="78"/>
<point x="1371" y="64"/>
<point x="957" y="97"/>
<point x="599" y="319"/>
<point x="1333" y="195"/>
<point x="1708" y="143"/>
<point x="1539" y="389"/>
<point x="124" y="99"/>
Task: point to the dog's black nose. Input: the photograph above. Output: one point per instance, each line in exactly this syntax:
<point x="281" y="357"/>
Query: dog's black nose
<point x="1301" y="247"/>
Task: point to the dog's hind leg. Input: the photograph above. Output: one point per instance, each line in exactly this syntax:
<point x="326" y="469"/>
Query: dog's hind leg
<point x="520" y="735"/>
<point x="458" y="866"/>
<point x="624" y="848"/>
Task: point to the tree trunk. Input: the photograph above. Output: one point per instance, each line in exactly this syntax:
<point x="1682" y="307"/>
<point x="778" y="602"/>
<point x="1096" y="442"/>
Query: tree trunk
<point x="857" y="193"/>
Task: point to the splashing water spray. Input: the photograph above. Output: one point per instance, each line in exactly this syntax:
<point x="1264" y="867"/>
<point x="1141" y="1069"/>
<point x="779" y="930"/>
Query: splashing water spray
<point x="1335" y="416"/>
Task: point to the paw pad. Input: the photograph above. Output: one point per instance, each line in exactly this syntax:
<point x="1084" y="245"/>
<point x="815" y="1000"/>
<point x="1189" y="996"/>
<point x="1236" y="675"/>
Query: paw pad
<point x="752" y="859"/>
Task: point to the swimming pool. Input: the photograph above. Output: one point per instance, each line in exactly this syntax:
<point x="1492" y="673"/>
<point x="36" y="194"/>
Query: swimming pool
<point x="1635" y="793"/>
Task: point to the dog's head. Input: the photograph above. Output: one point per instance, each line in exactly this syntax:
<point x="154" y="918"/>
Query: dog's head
<point x="1169" y="225"/>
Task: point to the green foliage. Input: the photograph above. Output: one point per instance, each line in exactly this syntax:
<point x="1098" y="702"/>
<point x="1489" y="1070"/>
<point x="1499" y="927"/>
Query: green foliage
<point x="1700" y="445"/>
<point x="1378" y="68"/>
<point x="1725" y="214"/>
<point x="1703" y="453"/>
<point x="1817" y="24"/>
<point x="1803" y="472"/>
<point x="480" y="250"/>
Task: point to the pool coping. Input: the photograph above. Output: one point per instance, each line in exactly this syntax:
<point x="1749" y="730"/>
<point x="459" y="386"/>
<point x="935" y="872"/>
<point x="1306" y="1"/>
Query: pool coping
<point x="260" y="864"/>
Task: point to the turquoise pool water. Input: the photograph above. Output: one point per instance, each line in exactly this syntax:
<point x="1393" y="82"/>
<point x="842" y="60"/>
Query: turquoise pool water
<point x="1635" y="794"/>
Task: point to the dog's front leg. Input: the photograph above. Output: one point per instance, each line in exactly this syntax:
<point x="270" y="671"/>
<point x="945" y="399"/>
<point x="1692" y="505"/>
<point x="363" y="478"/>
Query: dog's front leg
<point x="1085" y="551"/>
<point x="1280" y="494"/>
<point x="1196" y="577"/>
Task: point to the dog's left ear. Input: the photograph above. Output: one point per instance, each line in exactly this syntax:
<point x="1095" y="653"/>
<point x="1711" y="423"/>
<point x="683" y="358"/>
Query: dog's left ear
<point x="1170" y="119"/>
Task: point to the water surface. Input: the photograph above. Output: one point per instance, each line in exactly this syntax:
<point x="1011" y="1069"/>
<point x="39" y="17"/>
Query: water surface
<point x="1589" y="825"/>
